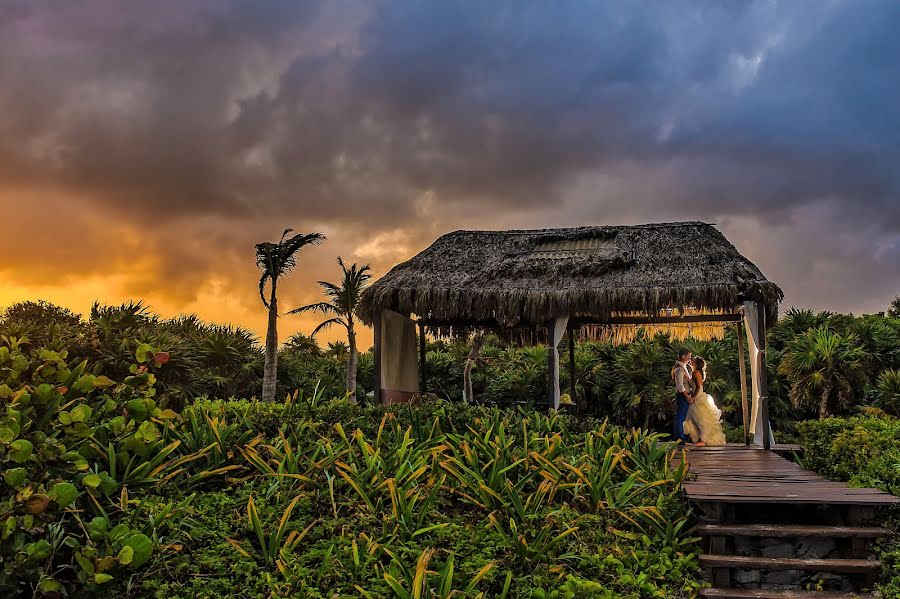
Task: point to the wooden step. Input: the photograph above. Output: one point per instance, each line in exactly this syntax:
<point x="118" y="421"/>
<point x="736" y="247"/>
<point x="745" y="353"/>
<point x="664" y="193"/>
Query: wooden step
<point x="791" y="530"/>
<point x="777" y="594"/>
<point x="849" y="566"/>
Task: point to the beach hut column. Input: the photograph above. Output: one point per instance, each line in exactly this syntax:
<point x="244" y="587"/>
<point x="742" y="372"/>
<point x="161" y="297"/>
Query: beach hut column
<point x="755" y="324"/>
<point x="555" y="330"/>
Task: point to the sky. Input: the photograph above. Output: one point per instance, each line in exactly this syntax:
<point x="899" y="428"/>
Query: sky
<point x="145" y="147"/>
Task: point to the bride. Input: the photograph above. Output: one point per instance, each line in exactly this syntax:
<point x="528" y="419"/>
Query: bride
<point x="703" y="422"/>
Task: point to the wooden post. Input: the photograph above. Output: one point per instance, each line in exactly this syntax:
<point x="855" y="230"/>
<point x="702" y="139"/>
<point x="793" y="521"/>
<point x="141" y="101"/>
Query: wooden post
<point x="423" y="373"/>
<point x="763" y="376"/>
<point x="745" y="410"/>
<point x="553" y="374"/>
<point x="376" y="327"/>
<point x="571" y="334"/>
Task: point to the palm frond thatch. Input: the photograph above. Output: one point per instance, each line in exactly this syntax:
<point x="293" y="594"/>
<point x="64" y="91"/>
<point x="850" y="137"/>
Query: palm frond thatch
<point x="506" y="279"/>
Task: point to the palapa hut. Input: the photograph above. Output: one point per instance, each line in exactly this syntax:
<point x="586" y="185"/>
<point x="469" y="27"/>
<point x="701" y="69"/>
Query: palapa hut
<point x="602" y="282"/>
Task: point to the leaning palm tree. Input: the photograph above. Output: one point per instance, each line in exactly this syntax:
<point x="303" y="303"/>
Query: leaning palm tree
<point x="342" y="301"/>
<point x="277" y="260"/>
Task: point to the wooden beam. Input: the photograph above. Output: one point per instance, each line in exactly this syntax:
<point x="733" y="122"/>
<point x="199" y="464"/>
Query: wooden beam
<point x="763" y="375"/>
<point x="423" y="372"/>
<point x="376" y="327"/>
<point x="552" y="372"/>
<point x="693" y="318"/>
<point x="745" y="408"/>
<point x="571" y="334"/>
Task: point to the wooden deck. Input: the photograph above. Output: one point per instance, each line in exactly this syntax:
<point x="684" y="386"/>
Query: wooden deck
<point x="747" y="498"/>
<point x="739" y="474"/>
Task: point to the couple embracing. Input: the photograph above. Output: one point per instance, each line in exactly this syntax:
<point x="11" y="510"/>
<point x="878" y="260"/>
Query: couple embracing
<point x="696" y="413"/>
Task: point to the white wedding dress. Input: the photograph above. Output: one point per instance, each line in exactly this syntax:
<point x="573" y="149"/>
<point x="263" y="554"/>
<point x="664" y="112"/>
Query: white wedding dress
<point x="703" y="421"/>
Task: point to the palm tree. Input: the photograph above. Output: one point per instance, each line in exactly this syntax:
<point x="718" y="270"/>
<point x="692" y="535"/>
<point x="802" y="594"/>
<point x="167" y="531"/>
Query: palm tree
<point x="643" y="391"/>
<point x="894" y="310"/>
<point x="277" y="260"/>
<point x="342" y="301"/>
<point x="820" y="363"/>
<point x="888" y="390"/>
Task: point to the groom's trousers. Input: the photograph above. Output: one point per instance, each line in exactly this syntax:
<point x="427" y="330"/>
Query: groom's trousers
<point x="681" y="412"/>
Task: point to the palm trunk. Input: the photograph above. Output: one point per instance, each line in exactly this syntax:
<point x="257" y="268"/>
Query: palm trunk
<point x="270" y="370"/>
<point x="823" y="402"/>
<point x="468" y="393"/>
<point x="351" y="361"/>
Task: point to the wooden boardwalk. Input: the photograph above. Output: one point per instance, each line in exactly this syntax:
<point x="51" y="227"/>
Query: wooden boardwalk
<point x="761" y="514"/>
<point x="739" y="474"/>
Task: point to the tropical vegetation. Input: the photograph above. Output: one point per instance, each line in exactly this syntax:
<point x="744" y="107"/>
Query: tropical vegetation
<point x="128" y="468"/>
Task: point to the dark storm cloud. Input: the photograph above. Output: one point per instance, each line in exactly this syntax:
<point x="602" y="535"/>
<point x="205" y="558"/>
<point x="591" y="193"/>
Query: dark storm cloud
<point x="251" y="114"/>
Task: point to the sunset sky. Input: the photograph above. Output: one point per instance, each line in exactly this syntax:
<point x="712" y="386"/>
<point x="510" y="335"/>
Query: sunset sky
<point x="145" y="146"/>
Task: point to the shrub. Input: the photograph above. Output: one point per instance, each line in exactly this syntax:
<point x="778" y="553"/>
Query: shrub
<point x="68" y="441"/>
<point x="865" y="452"/>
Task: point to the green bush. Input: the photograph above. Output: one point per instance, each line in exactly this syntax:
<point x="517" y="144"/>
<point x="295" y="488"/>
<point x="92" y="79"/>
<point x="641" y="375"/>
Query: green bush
<point x="69" y="441"/>
<point x="864" y="451"/>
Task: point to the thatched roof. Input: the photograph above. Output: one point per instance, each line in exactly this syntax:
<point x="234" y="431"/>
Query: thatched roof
<point x="513" y="278"/>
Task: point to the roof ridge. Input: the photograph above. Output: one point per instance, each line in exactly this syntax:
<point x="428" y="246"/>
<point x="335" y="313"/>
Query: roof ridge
<point x="691" y="223"/>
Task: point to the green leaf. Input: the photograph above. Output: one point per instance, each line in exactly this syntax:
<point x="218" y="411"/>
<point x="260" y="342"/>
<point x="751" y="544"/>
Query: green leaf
<point x="49" y="585"/>
<point x="91" y="481"/>
<point x="108" y="484"/>
<point x="86" y="565"/>
<point x="81" y="413"/>
<point x="9" y="527"/>
<point x="65" y="418"/>
<point x="100" y="578"/>
<point x="85" y="383"/>
<point x="15" y="477"/>
<point x="137" y="409"/>
<point x="144" y="353"/>
<point x="143" y="549"/>
<point x="20" y="450"/>
<point x="102" y="382"/>
<point x="119" y="532"/>
<point x="147" y="432"/>
<point x="63" y="494"/>
<point x="8" y="432"/>
<point x="126" y="555"/>
<point x="39" y="550"/>
<point x="97" y="528"/>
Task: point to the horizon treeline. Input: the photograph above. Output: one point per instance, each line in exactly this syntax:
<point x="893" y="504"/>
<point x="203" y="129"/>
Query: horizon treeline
<point x="820" y="363"/>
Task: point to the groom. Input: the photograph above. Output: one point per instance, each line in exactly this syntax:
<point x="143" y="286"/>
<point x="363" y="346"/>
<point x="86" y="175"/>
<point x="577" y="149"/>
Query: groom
<point x="681" y="373"/>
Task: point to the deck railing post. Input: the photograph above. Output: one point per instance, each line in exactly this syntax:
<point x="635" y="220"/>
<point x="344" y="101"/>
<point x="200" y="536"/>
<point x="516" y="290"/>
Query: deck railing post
<point x="763" y="376"/>
<point x="745" y="410"/>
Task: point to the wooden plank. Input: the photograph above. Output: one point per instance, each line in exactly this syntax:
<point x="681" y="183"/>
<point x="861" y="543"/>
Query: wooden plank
<point x="741" y="475"/>
<point x="745" y="562"/>
<point x="792" y="530"/>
